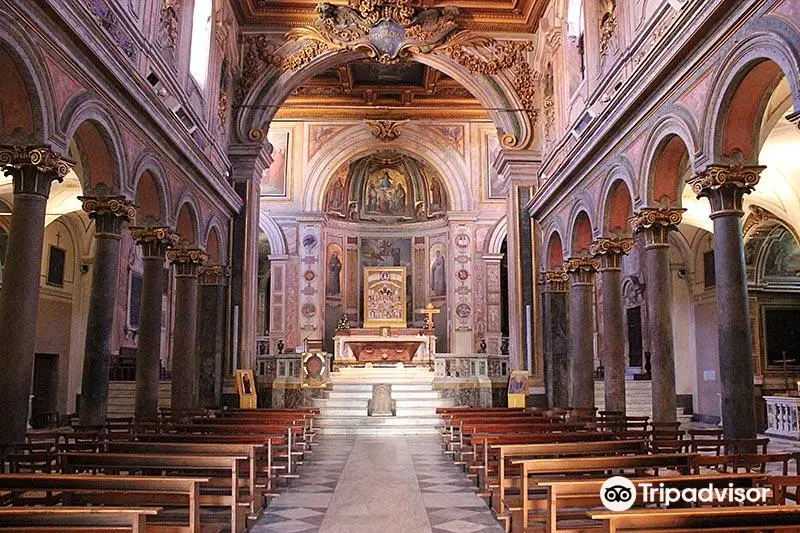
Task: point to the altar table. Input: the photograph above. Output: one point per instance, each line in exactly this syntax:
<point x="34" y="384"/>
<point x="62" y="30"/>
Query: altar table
<point x="384" y="345"/>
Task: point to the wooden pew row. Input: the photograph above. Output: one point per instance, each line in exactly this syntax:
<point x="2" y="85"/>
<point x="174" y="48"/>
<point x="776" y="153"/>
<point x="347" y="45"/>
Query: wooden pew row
<point x="569" y="500"/>
<point x="118" y="491"/>
<point x="535" y="469"/>
<point x="76" y="519"/>
<point x="509" y="471"/>
<point x="309" y="415"/>
<point x="452" y="424"/>
<point x="222" y="471"/>
<point x="454" y="439"/>
<point x="727" y="519"/>
<point x="468" y="429"/>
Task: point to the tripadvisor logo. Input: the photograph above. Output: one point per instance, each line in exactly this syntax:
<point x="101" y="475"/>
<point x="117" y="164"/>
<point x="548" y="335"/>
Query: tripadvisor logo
<point x="618" y="493"/>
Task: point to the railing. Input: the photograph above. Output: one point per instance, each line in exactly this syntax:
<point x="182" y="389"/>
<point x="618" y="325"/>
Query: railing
<point x="782" y="416"/>
<point x="447" y="365"/>
<point x="279" y="366"/>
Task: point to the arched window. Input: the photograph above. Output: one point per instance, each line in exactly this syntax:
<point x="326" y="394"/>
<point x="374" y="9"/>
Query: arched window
<point x="201" y="41"/>
<point x="575" y="29"/>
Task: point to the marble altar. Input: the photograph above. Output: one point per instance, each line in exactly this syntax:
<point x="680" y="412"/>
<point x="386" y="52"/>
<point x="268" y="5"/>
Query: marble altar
<point x="384" y="345"/>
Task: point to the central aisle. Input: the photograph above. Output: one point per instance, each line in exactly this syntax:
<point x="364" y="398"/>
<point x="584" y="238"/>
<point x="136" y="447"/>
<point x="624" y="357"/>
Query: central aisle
<point x="380" y="484"/>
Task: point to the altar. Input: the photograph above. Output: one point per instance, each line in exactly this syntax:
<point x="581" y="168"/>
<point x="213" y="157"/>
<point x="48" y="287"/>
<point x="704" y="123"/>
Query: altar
<point x="384" y="345"/>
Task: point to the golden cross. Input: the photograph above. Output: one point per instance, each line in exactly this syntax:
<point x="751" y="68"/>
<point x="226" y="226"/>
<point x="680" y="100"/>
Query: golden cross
<point x="429" y="310"/>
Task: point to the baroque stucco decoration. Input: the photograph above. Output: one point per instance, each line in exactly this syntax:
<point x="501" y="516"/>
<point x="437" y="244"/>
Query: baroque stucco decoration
<point x="390" y="31"/>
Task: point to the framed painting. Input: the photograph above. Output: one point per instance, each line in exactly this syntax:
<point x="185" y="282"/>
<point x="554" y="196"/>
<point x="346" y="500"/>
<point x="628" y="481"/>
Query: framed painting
<point x="494" y="185"/>
<point x="274" y="180"/>
<point x="385" y="297"/>
<point x="246" y="387"/>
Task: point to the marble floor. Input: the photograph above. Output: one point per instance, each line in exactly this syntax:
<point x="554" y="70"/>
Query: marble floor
<point x="378" y="484"/>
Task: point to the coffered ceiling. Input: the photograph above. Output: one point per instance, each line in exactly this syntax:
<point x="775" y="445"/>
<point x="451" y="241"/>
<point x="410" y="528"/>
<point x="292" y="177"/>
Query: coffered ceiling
<point x="508" y="16"/>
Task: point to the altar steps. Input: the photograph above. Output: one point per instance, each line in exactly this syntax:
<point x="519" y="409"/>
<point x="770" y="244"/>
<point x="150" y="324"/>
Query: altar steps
<point x="344" y="409"/>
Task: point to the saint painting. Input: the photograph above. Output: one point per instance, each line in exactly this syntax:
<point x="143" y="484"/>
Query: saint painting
<point x="386" y="194"/>
<point x="334" y="271"/>
<point x="494" y="182"/>
<point x="273" y="179"/>
<point x="438" y="283"/>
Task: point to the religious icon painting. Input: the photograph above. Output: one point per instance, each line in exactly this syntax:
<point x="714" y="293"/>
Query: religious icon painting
<point x="246" y="388"/>
<point x="438" y="285"/>
<point x="333" y="285"/>
<point x="387" y="194"/>
<point x="274" y="180"/>
<point x="385" y="297"/>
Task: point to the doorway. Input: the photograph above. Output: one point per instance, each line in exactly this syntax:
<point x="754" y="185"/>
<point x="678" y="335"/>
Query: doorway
<point x="44" y="408"/>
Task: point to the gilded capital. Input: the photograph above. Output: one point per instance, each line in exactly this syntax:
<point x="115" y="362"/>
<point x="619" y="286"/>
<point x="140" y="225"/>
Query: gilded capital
<point x="187" y="260"/>
<point x="725" y="186"/>
<point x="108" y="213"/>
<point x="609" y="250"/>
<point x="33" y="168"/>
<point x="154" y="241"/>
<point x="554" y="280"/>
<point x="581" y="269"/>
<point x="212" y="274"/>
<point x="656" y="223"/>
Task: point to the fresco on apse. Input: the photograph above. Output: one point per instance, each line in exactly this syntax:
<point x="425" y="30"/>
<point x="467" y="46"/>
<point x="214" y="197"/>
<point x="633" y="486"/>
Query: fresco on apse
<point x="386" y="193"/>
<point x="274" y="179"/>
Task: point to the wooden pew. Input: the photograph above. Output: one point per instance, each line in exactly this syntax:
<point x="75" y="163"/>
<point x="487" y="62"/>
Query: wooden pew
<point x="511" y="455"/>
<point x="129" y="491"/>
<point x="76" y="519"/>
<point x="568" y="499"/>
<point x="468" y="429"/>
<point x="728" y="519"/>
<point x="218" y="468"/>
<point x="597" y="466"/>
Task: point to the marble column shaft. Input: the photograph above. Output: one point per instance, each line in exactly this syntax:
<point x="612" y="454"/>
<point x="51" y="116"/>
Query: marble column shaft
<point x="32" y="170"/>
<point x="655" y="225"/>
<point x="211" y="334"/>
<point x="185" y="367"/>
<point x="555" y="324"/>
<point x="610" y="251"/>
<point x="109" y="213"/>
<point x="725" y="186"/>
<point x="581" y="329"/>
<point x="154" y="243"/>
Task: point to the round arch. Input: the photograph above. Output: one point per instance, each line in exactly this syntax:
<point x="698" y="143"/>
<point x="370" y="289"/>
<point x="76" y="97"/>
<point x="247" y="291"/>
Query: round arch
<point x="275" y="235"/>
<point x="495" y="93"/>
<point x="742" y="86"/>
<point x="359" y="142"/>
<point x="555" y="250"/>
<point x="580" y="232"/>
<point x="214" y="237"/>
<point x="147" y="163"/>
<point x="617" y="203"/>
<point x="187" y="219"/>
<point x="496" y="237"/>
<point x="669" y="139"/>
<point x="98" y="137"/>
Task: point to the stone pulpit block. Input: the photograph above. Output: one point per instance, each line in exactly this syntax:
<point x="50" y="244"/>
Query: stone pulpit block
<point x="381" y="403"/>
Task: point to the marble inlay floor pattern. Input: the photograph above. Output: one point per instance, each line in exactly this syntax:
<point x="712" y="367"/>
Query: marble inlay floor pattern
<point x="380" y="484"/>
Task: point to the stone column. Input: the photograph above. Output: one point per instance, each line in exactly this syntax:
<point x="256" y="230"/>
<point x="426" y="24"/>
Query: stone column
<point x="609" y="252"/>
<point x="184" y="357"/>
<point x="554" y="336"/>
<point x="109" y="213"/>
<point x="655" y="224"/>
<point x="154" y="243"/>
<point x="32" y="170"/>
<point x="581" y="329"/>
<point x="725" y="186"/>
<point x="211" y="333"/>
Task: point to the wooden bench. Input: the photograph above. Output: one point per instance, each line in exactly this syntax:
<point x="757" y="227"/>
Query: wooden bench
<point x="129" y="491"/>
<point x="728" y="519"/>
<point x="223" y="472"/>
<point x="76" y="519"/>
<point x="597" y="466"/>
<point x="568" y="499"/>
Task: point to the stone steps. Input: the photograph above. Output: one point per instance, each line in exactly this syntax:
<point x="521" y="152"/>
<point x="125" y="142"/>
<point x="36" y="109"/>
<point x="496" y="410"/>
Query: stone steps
<point x="343" y="411"/>
<point x="638" y="400"/>
<point x="122" y="397"/>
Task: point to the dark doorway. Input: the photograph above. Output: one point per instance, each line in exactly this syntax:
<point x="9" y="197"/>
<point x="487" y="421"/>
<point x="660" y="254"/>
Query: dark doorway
<point x="504" y="289"/>
<point x="44" y="410"/>
<point x="635" y="336"/>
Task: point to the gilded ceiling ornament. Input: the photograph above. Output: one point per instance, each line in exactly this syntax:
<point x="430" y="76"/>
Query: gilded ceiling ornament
<point x="386" y="130"/>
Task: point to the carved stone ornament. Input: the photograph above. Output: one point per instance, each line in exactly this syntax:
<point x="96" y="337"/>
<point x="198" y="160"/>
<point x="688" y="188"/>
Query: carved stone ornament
<point x="554" y="280"/>
<point x="725" y="185"/>
<point x="610" y="251"/>
<point x="108" y="20"/>
<point x="581" y="269"/>
<point x="386" y="130"/>
<point x="42" y="157"/>
<point x="186" y="260"/>
<point x="656" y="223"/>
<point x="222" y="110"/>
<point x="154" y="241"/>
<point x="168" y="23"/>
<point x="108" y="213"/>
<point x="212" y="274"/>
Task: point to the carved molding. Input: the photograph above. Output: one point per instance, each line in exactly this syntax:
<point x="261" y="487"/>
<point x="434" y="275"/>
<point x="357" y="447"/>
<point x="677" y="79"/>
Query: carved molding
<point x="42" y="157"/>
<point x="725" y="186"/>
<point x="154" y="241"/>
<point x="609" y="250"/>
<point x="168" y="24"/>
<point x="554" y="280"/>
<point x="386" y="130"/>
<point x="656" y="223"/>
<point x="108" y="213"/>
<point x="106" y="17"/>
<point x="581" y="269"/>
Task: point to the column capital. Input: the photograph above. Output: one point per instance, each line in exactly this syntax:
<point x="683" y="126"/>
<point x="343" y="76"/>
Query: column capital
<point x="656" y="223"/>
<point x="213" y="274"/>
<point x="554" y="280"/>
<point x="187" y="260"/>
<point x="581" y="269"/>
<point x="154" y="241"/>
<point x="725" y="186"/>
<point x="33" y="168"/>
<point x="609" y="250"/>
<point x="108" y="213"/>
